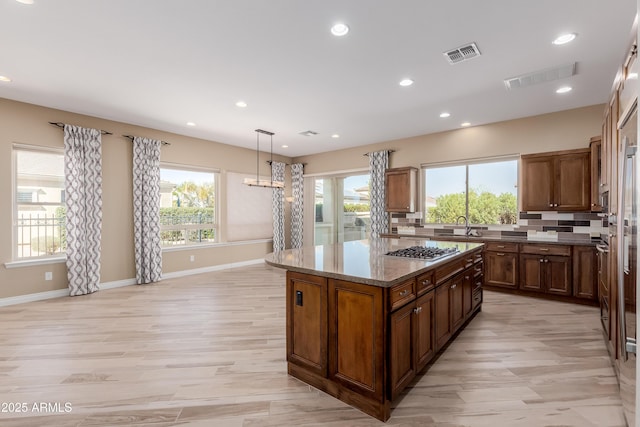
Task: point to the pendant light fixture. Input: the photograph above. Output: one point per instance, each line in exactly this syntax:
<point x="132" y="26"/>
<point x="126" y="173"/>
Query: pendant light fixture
<point x="257" y="182"/>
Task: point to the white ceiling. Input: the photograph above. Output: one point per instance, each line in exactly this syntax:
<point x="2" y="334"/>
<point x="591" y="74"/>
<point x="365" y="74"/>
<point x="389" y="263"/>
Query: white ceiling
<point x="162" y="63"/>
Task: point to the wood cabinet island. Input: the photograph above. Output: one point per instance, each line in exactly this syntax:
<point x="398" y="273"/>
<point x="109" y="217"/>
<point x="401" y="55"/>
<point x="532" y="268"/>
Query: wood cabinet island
<point x="362" y="324"/>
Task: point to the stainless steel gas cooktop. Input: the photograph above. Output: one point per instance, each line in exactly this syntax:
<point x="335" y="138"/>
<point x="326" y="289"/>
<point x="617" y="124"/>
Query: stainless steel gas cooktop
<point x="423" y="252"/>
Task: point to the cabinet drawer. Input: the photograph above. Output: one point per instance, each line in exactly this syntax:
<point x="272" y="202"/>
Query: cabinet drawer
<point x="477" y="297"/>
<point x="424" y="282"/>
<point x="401" y="294"/>
<point x="501" y="246"/>
<point x="477" y="269"/>
<point x="546" y="250"/>
<point x="449" y="270"/>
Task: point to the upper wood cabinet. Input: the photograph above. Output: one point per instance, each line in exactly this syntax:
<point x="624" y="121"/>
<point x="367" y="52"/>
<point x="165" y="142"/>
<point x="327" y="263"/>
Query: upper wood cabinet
<point x="596" y="172"/>
<point x="401" y="189"/>
<point x="557" y="181"/>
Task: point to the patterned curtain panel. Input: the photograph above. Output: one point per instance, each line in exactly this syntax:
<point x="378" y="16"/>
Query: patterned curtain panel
<point x="83" y="201"/>
<point x="277" y="174"/>
<point x="146" y="209"/>
<point x="297" y="185"/>
<point x="378" y="163"/>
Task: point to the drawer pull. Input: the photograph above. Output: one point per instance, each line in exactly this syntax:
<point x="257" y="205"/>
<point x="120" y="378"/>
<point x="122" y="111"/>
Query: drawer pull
<point x="404" y="293"/>
<point x="469" y="259"/>
<point x="499" y="254"/>
<point x="500" y="246"/>
<point x="426" y="282"/>
<point x="544" y="249"/>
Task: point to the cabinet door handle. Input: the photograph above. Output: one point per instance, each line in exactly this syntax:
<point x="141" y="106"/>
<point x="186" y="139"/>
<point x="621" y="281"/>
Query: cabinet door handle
<point x="541" y="260"/>
<point x="500" y="254"/>
<point x="454" y="286"/>
<point x="466" y="277"/>
<point x="404" y="293"/>
<point x="546" y="260"/>
<point x="416" y="310"/>
<point x="550" y="205"/>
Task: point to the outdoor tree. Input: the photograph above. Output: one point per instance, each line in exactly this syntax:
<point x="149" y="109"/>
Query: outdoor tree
<point x="484" y="208"/>
<point x="191" y="195"/>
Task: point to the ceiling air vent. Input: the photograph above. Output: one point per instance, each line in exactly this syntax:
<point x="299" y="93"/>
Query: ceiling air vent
<point x="308" y="133"/>
<point x="462" y="53"/>
<point x="541" y="76"/>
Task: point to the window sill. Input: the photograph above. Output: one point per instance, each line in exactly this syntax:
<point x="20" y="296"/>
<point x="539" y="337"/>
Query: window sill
<point x="215" y="245"/>
<point x="32" y="262"/>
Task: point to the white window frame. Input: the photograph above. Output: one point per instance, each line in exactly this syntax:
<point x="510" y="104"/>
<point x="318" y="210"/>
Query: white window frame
<point x="216" y="210"/>
<point x="32" y="260"/>
<point x="467" y="163"/>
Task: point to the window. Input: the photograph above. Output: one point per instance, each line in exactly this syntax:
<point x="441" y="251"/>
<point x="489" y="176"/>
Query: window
<point x="342" y="210"/>
<point x="39" y="212"/>
<point x="485" y="192"/>
<point x="187" y="206"/>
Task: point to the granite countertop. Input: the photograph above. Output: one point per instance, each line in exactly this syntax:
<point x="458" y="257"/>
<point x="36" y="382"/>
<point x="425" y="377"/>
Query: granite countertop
<point x="364" y="261"/>
<point x="513" y="239"/>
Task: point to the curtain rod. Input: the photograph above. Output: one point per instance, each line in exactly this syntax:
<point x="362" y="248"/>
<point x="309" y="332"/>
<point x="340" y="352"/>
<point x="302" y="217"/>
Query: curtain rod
<point x="388" y="151"/>
<point x="61" y="125"/>
<point x="131" y="138"/>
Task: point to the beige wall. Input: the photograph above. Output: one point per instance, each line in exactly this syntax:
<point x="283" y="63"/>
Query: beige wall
<point x="548" y="132"/>
<point x="28" y="124"/>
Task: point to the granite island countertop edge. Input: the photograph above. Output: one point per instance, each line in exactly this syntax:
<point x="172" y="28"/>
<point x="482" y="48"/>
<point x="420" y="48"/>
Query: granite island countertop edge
<point x="410" y="273"/>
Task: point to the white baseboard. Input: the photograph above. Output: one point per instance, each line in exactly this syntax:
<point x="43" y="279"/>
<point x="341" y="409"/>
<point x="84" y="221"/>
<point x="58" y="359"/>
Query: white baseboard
<point x="39" y="296"/>
<point x="34" y="297"/>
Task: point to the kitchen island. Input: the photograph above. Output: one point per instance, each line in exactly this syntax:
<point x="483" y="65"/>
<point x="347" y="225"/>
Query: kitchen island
<point x="362" y="324"/>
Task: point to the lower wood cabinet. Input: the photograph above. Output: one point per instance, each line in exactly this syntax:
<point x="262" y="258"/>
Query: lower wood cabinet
<point x="411" y="341"/>
<point x="443" y="330"/>
<point x="546" y="273"/>
<point x="501" y="269"/>
<point x="307" y="321"/>
<point x="585" y="272"/>
<point x="457" y="302"/>
<point x="357" y="336"/>
<point x="424" y="341"/>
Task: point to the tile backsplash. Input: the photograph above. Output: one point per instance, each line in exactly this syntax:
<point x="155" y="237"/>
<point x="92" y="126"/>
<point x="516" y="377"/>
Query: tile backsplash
<point x="545" y="226"/>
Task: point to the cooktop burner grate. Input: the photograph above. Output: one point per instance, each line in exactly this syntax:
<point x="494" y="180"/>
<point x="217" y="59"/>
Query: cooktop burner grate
<point x="423" y="252"/>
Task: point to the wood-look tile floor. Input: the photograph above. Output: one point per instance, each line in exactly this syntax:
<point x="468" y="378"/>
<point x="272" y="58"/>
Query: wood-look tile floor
<point x="209" y="350"/>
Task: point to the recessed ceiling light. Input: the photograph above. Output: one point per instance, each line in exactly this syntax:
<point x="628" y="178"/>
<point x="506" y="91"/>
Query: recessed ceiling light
<point x="190" y="124"/>
<point x="564" y="89"/>
<point x="335" y="135"/>
<point x="465" y="124"/>
<point x="339" y="29"/>
<point x="406" y="82"/>
<point x="4" y="79"/>
<point x="285" y="146"/>
<point x="564" y="38"/>
<point x="241" y="104"/>
<point x="444" y="115"/>
<point x="25" y="1"/>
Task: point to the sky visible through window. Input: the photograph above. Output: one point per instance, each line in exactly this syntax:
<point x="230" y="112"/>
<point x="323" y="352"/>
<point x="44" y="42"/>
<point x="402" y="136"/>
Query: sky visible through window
<point x="498" y="177"/>
<point x="177" y="176"/>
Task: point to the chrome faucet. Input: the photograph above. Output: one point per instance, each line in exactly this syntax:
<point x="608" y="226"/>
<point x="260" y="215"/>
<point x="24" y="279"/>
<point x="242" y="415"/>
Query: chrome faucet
<point x="467" y="229"/>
